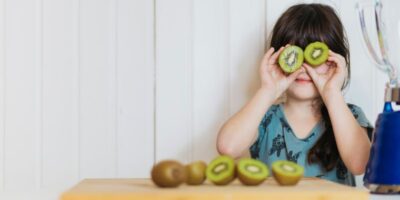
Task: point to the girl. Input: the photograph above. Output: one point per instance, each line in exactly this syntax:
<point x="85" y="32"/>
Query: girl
<point x="313" y="127"/>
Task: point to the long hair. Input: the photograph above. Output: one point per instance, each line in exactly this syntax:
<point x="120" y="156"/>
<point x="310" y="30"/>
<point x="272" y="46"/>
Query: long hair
<point x="300" y="25"/>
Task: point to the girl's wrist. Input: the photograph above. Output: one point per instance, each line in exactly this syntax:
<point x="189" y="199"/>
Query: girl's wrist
<point x="269" y="95"/>
<point x="331" y="96"/>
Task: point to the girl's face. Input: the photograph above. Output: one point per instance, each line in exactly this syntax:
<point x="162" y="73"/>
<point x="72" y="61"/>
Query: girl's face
<point x="303" y="87"/>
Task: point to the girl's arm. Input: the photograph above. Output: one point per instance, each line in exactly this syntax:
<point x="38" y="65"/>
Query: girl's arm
<point x="240" y="131"/>
<point x="351" y="139"/>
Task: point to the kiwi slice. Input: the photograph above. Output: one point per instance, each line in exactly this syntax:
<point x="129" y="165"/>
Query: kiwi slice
<point x="221" y="170"/>
<point x="291" y="59"/>
<point x="196" y="173"/>
<point x="251" y="171"/>
<point x="316" y="53"/>
<point x="168" y="173"/>
<point x="287" y="172"/>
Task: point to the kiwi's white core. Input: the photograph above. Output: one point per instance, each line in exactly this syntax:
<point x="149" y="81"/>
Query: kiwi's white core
<point x="291" y="59"/>
<point x="219" y="168"/>
<point x="316" y="53"/>
<point x="253" y="169"/>
<point x="288" y="168"/>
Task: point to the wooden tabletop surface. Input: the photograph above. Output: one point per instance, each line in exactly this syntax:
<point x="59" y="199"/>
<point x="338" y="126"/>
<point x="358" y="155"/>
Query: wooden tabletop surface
<point x="144" y="189"/>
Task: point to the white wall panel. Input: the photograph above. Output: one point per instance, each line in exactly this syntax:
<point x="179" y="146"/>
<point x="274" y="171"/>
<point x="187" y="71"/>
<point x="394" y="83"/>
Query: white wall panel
<point x="97" y="113"/>
<point x="211" y="71"/>
<point x="174" y="82"/>
<point x="247" y="41"/>
<point x="2" y="91"/>
<point x="135" y="91"/>
<point x="20" y="96"/>
<point x="59" y="143"/>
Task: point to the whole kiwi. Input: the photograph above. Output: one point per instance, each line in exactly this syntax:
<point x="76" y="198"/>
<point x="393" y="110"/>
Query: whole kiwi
<point x="168" y="173"/>
<point x="196" y="173"/>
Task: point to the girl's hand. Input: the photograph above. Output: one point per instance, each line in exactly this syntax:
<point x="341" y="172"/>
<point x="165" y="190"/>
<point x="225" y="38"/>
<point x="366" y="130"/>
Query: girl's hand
<point x="331" y="81"/>
<point x="273" y="79"/>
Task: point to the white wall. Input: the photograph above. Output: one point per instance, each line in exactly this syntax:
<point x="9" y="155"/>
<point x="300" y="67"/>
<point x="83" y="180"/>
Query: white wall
<point x="104" y="88"/>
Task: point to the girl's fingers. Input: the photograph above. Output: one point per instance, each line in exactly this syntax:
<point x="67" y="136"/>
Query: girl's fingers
<point x="313" y="74"/>
<point x="339" y="63"/>
<point x="294" y="75"/>
<point x="267" y="56"/>
<point x="333" y="54"/>
<point x="331" y="71"/>
<point x="273" y="59"/>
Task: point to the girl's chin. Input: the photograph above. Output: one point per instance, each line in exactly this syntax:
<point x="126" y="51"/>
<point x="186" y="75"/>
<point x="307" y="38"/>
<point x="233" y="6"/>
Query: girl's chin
<point x="304" y="93"/>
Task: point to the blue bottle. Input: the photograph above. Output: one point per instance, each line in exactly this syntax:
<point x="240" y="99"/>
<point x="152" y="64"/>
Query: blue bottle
<point x="382" y="174"/>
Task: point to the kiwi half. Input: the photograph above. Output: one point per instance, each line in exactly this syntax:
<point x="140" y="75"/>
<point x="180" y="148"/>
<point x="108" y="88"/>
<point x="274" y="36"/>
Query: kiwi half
<point x="221" y="170"/>
<point x="251" y="171"/>
<point x="168" y="173"/>
<point x="287" y="172"/>
<point x="196" y="173"/>
<point x="291" y="59"/>
<point x="316" y="53"/>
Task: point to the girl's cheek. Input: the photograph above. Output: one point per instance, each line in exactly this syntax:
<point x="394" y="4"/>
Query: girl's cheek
<point x="322" y="69"/>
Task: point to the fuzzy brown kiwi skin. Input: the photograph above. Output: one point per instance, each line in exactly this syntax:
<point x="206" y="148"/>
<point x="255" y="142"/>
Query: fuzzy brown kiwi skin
<point x="168" y="173"/>
<point x="196" y="173"/>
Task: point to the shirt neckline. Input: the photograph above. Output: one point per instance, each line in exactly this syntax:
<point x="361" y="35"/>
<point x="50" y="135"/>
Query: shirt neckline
<point x="310" y="134"/>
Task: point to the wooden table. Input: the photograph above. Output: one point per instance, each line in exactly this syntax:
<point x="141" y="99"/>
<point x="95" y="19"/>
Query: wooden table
<point x="144" y="189"/>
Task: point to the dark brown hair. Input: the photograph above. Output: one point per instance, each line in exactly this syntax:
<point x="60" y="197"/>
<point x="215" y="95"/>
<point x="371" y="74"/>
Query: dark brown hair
<point x="300" y="25"/>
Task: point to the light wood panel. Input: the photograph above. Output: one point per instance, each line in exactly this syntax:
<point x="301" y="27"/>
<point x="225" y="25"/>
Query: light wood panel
<point x="307" y="188"/>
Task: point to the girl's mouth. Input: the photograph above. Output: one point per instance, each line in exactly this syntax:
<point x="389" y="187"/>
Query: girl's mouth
<point x="303" y="81"/>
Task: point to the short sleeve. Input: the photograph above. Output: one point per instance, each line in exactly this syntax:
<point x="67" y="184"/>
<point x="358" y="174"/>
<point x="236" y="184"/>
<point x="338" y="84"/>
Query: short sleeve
<point x="262" y="129"/>
<point x="361" y="119"/>
<point x="255" y="148"/>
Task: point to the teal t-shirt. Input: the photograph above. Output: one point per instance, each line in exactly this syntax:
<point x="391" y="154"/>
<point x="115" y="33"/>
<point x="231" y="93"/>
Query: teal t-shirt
<point x="276" y="141"/>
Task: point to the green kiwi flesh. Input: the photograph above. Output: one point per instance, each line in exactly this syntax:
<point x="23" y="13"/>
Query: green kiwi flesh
<point x="168" y="173"/>
<point x="291" y="59"/>
<point x="287" y="172"/>
<point x="251" y="171"/>
<point x="196" y="173"/>
<point x="221" y="170"/>
<point x="316" y="53"/>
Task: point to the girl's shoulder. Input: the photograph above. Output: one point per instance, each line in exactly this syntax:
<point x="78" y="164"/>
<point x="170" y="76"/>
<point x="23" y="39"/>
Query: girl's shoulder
<point x="357" y="111"/>
<point x="271" y="114"/>
<point x="354" y="108"/>
<point x="361" y="118"/>
<point x="273" y="109"/>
